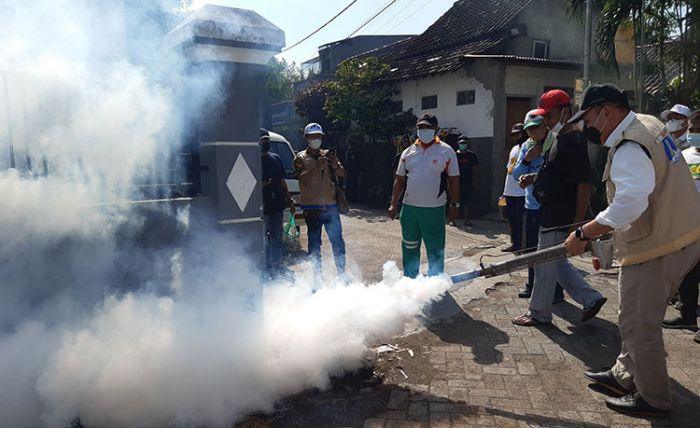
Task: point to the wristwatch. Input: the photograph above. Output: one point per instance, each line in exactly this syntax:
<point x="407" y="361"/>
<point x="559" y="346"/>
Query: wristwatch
<point x="579" y="234"/>
<point x="455" y="205"/>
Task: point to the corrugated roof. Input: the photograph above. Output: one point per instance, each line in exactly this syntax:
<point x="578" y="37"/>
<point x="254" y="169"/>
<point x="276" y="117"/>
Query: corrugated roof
<point x="653" y="78"/>
<point x="546" y="62"/>
<point x="469" y="27"/>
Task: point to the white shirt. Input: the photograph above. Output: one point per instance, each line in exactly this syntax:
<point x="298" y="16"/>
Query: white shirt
<point x="512" y="188"/>
<point x="422" y="168"/>
<point x="692" y="158"/>
<point x="634" y="177"/>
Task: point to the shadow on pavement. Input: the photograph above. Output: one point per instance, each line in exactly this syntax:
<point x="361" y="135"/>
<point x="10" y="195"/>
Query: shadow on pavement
<point x="385" y="405"/>
<point x="370" y="215"/>
<point x="685" y="411"/>
<point x="451" y="324"/>
<point x="596" y="342"/>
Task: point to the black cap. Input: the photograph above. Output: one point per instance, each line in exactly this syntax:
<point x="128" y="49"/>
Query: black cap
<point x="462" y="138"/>
<point x="599" y="93"/>
<point x="264" y="133"/>
<point x="429" y="120"/>
<point x="518" y="127"/>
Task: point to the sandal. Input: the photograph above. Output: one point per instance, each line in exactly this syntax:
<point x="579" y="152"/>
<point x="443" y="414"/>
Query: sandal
<point x="527" y="321"/>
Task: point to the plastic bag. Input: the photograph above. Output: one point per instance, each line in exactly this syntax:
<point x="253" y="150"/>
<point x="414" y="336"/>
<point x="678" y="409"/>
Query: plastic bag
<point x="290" y="233"/>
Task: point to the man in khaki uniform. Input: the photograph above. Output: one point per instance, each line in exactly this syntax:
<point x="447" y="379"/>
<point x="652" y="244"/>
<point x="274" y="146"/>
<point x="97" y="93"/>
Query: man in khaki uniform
<point x="318" y="171"/>
<point x="652" y="213"/>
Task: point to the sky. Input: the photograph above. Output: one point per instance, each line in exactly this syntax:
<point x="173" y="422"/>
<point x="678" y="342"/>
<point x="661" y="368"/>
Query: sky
<point x="298" y="18"/>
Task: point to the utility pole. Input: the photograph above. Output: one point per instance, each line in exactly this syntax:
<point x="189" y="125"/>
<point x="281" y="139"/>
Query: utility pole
<point x="642" y="85"/>
<point x="587" y="47"/>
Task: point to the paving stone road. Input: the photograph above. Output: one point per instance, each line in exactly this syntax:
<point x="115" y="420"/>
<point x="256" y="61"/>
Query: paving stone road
<point x="471" y="366"/>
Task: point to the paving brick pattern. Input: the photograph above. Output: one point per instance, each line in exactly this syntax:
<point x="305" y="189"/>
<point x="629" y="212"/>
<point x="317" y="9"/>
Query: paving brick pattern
<point x="478" y="369"/>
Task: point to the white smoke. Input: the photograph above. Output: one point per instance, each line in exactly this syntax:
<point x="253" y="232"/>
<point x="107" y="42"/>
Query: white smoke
<point x="145" y="361"/>
<point x="93" y="326"/>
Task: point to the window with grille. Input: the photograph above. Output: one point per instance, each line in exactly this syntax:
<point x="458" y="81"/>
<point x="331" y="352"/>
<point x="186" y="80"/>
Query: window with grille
<point x="466" y="97"/>
<point x="429" y="102"/>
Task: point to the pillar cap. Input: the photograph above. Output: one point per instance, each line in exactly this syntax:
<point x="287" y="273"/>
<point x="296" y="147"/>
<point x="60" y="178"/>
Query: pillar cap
<point x="223" y="33"/>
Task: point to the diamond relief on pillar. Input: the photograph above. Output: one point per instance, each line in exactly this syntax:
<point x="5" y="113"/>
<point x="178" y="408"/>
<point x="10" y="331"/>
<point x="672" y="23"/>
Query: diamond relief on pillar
<point x="241" y="182"/>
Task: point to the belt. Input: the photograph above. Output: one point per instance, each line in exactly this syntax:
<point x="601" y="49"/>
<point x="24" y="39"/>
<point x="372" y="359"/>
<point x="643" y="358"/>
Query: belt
<point x="318" y="207"/>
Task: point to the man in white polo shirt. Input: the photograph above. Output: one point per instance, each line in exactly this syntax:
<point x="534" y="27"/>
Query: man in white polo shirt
<point x="424" y="171"/>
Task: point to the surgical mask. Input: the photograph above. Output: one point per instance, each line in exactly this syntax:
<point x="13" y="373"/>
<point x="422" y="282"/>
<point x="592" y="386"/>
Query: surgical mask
<point x="694" y="139"/>
<point x="315" y="143"/>
<point x="426" y="135"/>
<point x="675" y="125"/>
<point x="591" y="133"/>
<point x="463" y="147"/>
<point x="557" y="128"/>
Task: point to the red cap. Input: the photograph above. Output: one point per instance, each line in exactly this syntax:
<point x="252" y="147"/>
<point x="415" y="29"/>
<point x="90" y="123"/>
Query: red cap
<point x="550" y="100"/>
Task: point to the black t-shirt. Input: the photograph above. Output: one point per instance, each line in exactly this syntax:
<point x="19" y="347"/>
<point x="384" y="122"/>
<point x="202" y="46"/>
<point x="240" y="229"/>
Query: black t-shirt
<point x="274" y="196"/>
<point x="567" y="163"/>
<point x="467" y="161"/>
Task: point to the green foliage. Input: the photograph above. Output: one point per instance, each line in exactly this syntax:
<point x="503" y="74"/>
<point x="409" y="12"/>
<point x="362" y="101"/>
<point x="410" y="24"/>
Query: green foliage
<point x="310" y="105"/>
<point x="356" y="97"/>
<point x="662" y="21"/>
<point x="279" y="81"/>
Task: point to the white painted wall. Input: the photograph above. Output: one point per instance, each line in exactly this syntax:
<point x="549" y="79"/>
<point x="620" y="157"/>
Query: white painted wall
<point x="474" y="120"/>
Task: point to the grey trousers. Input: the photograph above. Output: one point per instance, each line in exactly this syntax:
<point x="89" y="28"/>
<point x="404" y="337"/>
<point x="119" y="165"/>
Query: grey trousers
<point x="644" y="292"/>
<point x="546" y="278"/>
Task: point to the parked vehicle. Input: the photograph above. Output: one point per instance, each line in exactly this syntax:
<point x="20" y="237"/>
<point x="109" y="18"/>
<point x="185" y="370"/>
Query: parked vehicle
<point x="283" y="148"/>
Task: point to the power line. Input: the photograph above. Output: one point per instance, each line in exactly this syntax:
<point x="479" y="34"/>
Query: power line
<point x="406" y="18"/>
<point x="390" y="20"/>
<point x="320" y="28"/>
<point x="387" y="6"/>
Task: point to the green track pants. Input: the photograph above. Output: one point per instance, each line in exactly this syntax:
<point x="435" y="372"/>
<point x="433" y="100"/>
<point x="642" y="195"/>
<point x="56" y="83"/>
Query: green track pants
<point x="428" y="225"/>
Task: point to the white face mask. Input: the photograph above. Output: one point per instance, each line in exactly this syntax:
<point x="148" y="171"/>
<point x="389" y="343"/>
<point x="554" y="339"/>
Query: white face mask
<point x="694" y="139"/>
<point x="557" y="128"/>
<point x="426" y="135"/>
<point x="315" y="143"/>
<point x="675" y="125"/>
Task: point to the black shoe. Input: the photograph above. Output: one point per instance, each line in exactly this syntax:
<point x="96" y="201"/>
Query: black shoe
<point x="593" y="310"/>
<point x="606" y="380"/>
<point x="697" y="337"/>
<point x="525" y="293"/>
<point x="634" y="405"/>
<point x="508" y="249"/>
<point x="679" y="323"/>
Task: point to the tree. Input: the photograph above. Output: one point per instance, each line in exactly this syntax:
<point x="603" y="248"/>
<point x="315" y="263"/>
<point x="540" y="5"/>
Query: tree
<point x="358" y="98"/>
<point x="670" y="35"/>
<point x="310" y="105"/>
<point x="279" y="81"/>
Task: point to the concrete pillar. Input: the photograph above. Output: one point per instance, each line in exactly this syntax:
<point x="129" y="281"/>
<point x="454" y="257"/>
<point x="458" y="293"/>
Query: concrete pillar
<point x="229" y="48"/>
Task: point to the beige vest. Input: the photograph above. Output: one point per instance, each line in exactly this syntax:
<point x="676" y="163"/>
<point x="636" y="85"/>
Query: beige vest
<point x="671" y="221"/>
<point x="315" y="183"/>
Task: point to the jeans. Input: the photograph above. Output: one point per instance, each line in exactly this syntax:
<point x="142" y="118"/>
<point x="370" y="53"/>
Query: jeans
<point x="515" y="208"/>
<point x="274" y="247"/>
<point x="532" y="237"/>
<point x="688" y="295"/>
<point x="548" y="274"/>
<point x="330" y="218"/>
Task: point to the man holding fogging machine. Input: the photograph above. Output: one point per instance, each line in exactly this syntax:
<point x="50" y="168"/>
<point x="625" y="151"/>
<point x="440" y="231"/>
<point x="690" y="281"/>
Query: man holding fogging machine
<point x="652" y="214"/>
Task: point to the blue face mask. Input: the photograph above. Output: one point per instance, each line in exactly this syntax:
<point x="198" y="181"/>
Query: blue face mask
<point x="694" y="139"/>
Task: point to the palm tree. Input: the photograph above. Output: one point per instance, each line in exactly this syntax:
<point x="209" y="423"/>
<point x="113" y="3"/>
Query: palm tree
<point x="661" y="21"/>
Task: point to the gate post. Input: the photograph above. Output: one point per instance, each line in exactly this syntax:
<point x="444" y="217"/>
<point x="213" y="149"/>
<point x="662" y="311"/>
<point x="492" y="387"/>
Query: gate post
<point x="229" y="48"/>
